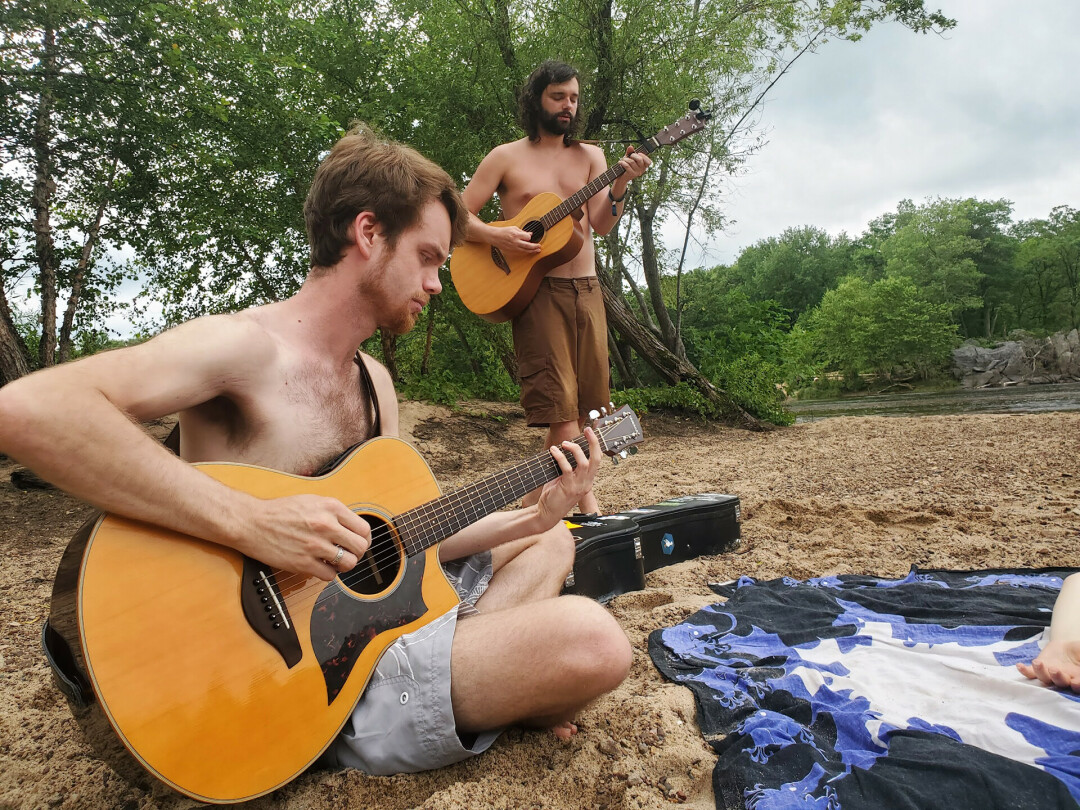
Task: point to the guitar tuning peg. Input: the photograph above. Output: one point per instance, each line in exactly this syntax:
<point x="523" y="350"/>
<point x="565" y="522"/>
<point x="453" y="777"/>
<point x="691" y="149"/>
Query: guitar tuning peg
<point x="615" y="460"/>
<point x="604" y="411"/>
<point x="694" y="104"/>
<point x="594" y="414"/>
<point x="622" y="454"/>
<point x="632" y="449"/>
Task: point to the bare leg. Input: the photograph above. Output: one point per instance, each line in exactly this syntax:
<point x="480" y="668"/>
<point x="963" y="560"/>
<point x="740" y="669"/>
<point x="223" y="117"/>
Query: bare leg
<point x="529" y="569"/>
<point x="557" y="433"/>
<point x="531" y="658"/>
<point x="536" y="664"/>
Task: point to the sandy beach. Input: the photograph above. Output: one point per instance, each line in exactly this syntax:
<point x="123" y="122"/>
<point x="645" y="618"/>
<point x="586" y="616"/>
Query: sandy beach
<point x="863" y="495"/>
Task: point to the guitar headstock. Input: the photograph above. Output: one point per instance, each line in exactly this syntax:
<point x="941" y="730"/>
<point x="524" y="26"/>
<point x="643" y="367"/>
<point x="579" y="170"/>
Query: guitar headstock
<point x="693" y="121"/>
<point x="618" y="432"/>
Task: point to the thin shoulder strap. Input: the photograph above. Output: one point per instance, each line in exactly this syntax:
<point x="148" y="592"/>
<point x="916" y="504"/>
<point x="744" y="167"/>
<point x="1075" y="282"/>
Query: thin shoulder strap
<point x="368" y="386"/>
<point x="172" y="441"/>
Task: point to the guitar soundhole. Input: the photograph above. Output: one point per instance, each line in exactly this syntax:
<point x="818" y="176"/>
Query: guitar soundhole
<point x="379" y="567"/>
<point x="535" y="229"/>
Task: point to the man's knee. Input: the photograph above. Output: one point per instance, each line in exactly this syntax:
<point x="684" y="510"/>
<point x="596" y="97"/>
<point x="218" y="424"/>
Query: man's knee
<point x="559" y="544"/>
<point x="597" y="650"/>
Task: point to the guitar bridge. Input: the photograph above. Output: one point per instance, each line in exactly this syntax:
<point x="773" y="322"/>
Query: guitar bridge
<point x="267" y="613"/>
<point x="500" y="261"/>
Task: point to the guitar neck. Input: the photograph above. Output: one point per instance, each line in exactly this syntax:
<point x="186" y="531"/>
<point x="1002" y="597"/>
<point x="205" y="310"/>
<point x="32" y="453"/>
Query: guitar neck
<point x="572" y="204"/>
<point x="426" y="525"/>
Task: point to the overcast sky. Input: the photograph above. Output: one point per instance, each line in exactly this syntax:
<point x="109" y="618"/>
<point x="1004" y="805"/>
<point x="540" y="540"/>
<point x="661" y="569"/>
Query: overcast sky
<point x="989" y="110"/>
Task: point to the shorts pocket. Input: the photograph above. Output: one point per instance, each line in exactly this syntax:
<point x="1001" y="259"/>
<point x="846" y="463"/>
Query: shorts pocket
<point x="536" y="388"/>
<point x="531" y="366"/>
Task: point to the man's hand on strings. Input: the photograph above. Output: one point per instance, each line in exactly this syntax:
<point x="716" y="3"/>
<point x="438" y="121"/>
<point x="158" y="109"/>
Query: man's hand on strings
<point x="560" y="495"/>
<point x="513" y="239"/>
<point x="635" y="164"/>
<point x="306" y="534"/>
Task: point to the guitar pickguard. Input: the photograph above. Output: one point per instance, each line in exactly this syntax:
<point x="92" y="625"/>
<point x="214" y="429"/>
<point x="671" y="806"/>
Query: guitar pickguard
<point x="342" y="626"/>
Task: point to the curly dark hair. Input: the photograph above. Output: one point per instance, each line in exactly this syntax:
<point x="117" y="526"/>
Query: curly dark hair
<point x="547" y="72"/>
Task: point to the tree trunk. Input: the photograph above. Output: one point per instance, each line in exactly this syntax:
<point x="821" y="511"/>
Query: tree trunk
<point x="650" y="262"/>
<point x="670" y="367"/>
<point x="473" y="364"/>
<point x="14" y="358"/>
<point x="622" y="361"/>
<point x="505" y="348"/>
<point x="41" y="200"/>
<point x="79" y="277"/>
<point x="502" y="30"/>
<point x="603" y="84"/>
<point x="389" y="350"/>
<point x="425" y="361"/>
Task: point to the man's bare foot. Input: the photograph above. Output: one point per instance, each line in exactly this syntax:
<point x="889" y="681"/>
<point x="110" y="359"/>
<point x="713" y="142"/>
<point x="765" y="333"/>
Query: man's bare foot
<point x="564" y="731"/>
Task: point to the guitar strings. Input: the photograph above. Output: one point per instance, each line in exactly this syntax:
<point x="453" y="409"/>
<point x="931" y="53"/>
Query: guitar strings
<point x="410" y="523"/>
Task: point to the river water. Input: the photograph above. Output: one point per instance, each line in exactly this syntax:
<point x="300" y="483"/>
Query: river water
<point x="1014" y="399"/>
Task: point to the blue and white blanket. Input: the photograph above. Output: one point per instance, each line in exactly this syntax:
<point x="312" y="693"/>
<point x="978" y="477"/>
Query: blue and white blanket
<point x="858" y="692"/>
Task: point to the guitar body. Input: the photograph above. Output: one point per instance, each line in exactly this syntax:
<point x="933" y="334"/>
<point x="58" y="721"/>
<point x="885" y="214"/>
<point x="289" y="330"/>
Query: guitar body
<point x="179" y="645"/>
<point x="497" y="286"/>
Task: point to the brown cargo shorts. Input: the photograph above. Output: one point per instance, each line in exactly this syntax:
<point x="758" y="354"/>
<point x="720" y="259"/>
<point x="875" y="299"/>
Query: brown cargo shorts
<point x="560" y="341"/>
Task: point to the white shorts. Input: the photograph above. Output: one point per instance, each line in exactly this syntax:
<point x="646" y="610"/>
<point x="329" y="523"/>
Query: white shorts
<point x="404" y="721"/>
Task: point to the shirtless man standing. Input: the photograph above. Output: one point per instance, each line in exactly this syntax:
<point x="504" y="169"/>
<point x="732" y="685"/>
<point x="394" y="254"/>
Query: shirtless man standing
<point x="560" y="339"/>
<point x="282" y="386"/>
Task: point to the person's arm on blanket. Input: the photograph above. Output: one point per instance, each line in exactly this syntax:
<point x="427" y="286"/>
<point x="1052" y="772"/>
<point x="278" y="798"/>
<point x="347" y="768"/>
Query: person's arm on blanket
<point x="1059" y="662"/>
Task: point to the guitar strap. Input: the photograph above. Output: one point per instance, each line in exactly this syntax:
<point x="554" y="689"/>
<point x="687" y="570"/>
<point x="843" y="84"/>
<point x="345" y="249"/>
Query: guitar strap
<point x="368" y="385"/>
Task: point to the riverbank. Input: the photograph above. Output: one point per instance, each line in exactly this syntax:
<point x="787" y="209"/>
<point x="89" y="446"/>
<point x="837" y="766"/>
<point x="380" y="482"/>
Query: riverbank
<point x="1001" y="399"/>
<point x="867" y="495"/>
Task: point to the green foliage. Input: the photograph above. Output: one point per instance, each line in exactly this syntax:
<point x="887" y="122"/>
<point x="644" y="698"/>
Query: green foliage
<point x="189" y="133"/>
<point x="1047" y="287"/>
<point x="467" y="358"/>
<point x="795" y="269"/>
<point x="880" y="328"/>
<point x="680" y="397"/>
<point x="27" y="329"/>
<point x="753" y="383"/>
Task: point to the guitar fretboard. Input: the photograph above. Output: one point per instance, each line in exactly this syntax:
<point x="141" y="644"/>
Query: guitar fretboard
<point x="426" y="525"/>
<point x="573" y="203"/>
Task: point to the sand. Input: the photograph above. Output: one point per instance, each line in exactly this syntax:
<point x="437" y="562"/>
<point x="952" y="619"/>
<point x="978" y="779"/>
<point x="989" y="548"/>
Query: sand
<point x="847" y="495"/>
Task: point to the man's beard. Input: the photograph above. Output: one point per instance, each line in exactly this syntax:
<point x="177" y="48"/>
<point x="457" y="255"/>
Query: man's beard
<point x="553" y="126"/>
<point x="395" y="318"/>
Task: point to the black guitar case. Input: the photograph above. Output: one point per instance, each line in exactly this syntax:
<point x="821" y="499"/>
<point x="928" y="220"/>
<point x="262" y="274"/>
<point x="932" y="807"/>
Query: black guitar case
<point x="686" y="527"/>
<point x="608" y="557"/>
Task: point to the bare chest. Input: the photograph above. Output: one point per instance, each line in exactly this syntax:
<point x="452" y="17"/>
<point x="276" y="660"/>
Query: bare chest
<point x="534" y="174"/>
<point x="298" y="424"/>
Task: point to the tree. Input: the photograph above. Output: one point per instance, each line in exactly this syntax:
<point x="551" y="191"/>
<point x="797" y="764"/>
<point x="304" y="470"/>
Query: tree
<point x="795" y="269"/>
<point x="1037" y="300"/>
<point x="880" y="328"/>
<point x="177" y="139"/>
<point x="118" y="140"/>
<point x="1063" y="229"/>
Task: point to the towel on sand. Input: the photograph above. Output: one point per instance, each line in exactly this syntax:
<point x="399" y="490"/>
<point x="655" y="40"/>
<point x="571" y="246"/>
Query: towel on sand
<point x="859" y="692"/>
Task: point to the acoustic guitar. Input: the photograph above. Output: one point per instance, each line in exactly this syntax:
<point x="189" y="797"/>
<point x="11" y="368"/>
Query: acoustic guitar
<point x="225" y="678"/>
<point x="497" y="286"/>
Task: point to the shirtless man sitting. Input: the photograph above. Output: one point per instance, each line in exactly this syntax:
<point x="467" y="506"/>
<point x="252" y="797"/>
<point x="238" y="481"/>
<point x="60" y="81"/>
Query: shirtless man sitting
<point x="560" y="339"/>
<point x="282" y="386"/>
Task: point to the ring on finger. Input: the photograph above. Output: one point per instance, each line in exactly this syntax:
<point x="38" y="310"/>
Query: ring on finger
<point x="338" y="556"/>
